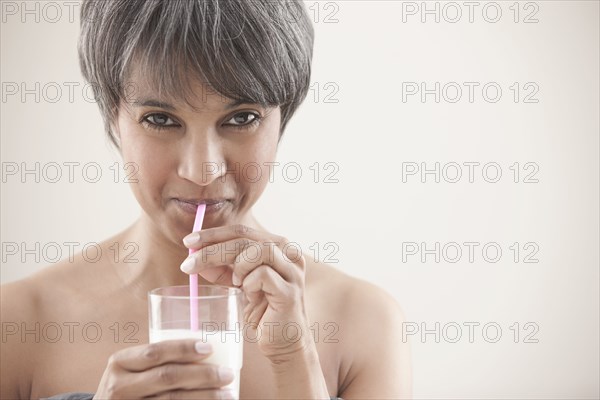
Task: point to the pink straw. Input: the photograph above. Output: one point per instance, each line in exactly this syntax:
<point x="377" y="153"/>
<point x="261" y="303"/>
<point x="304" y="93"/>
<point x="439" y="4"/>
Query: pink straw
<point x="194" y="277"/>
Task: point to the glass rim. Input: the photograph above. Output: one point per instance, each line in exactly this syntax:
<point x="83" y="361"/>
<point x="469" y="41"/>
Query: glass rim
<point x="231" y="291"/>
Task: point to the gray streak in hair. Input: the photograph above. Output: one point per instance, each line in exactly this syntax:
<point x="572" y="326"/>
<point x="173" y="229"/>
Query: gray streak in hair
<point x="254" y="51"/>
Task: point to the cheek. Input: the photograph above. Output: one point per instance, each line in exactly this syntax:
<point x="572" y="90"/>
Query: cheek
<point x="146" y="163"/>
<point x="256" y="160"/>
<point x="150" y="157"/>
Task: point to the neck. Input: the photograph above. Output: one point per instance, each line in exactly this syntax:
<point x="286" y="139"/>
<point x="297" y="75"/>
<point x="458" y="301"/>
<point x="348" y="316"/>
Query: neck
<point x="155" y="259"/>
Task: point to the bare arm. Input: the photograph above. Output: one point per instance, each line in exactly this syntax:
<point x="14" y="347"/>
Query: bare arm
<point x="16" y="307"/>
<point x="381" y="364"/>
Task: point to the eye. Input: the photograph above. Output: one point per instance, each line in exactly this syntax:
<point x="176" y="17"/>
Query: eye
<point x="159" y="121"/>
<point x="244" y="120"/>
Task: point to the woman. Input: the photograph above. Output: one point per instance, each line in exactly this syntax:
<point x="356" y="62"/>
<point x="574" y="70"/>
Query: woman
<point x="191" y="92"/>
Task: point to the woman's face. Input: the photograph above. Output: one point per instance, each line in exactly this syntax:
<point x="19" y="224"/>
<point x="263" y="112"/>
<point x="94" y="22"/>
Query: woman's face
<point x="183" y="156"/>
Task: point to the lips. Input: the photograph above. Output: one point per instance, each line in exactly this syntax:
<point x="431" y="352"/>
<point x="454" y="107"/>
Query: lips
<point x="203" y="201"/>
<point x="213" y="205"/>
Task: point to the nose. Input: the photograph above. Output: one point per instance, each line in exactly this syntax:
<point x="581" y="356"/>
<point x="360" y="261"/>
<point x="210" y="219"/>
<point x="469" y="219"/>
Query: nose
<point x="202" y="157"/>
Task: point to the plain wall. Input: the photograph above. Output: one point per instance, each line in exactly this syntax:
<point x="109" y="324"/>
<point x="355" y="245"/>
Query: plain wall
<point x="367" y="55"/>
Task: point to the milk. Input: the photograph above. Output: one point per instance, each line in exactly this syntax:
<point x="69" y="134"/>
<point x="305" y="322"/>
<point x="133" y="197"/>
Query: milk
<point x="227" y="348"/>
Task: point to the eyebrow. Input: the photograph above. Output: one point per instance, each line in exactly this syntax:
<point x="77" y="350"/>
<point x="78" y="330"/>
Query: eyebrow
<point x="170" y="107"/>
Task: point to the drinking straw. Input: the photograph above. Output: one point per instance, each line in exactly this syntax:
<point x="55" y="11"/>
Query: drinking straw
<point x="194" y="277"/>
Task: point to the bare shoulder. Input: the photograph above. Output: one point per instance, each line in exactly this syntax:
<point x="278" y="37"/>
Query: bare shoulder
<point x="19" y="305"/>
<point x="376" y="362"/>
<point x="360" y="308"/>
<point x="35" y="298"/>
<point x="66" y="278"/>
<point x="349" y="293"/>
<point x="18" y="301"/>
<point x="25" y="302"/>
<point x="26" y="307"/>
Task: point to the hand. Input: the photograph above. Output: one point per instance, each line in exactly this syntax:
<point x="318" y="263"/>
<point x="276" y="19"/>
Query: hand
<point x="271" y="272"/>
<point x="163" y="370"/>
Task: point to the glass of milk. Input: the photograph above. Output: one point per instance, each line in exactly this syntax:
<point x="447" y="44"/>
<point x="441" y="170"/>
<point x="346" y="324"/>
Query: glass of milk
<point x="219" y="311"/>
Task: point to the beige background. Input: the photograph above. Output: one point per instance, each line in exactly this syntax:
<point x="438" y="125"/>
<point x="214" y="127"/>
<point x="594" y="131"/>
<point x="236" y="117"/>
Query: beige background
<point x="370" y="212"/>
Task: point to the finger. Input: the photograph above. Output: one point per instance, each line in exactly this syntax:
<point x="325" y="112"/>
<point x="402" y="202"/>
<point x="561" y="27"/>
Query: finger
<point x="277" y="291"/>
<point x="254" y="311"/>
<point x="220" y="234"/>
<point x="254" y="256"/>
<point x="224" y="394"/>
<point x="140" y="358"/>
<point x="215" y="255"/>
<point x="220" y="275"/>
<point x="176" y="376"/>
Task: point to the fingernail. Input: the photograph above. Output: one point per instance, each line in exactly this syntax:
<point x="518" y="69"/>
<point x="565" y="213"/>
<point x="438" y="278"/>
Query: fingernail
<point x="187" y="265"/>
<point x="203" y="348"/>
<point x="236" y="280"/>
<point x="225" y="374"/>
<point x="191" y="238"/>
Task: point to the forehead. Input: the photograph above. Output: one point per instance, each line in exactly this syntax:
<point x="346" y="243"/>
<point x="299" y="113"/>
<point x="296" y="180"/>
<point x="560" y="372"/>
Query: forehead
<point x="187" y="91"/>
